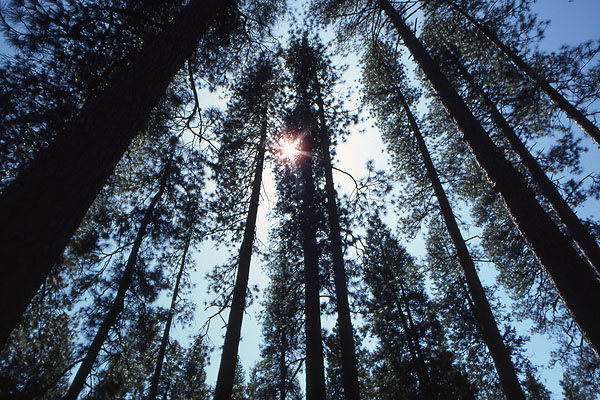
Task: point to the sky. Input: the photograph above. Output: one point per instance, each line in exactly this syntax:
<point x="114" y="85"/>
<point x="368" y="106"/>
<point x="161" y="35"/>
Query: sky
<point x="571" y="22"/>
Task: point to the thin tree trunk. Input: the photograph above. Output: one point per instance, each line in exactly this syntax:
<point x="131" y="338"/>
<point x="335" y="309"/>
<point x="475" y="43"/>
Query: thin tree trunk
<point x="41" y="209"/>
<point x="283" y="367"/>
<point x="119" y="300"/>
<point x="413" y="346"/>
<point x="482" y="310"/>
<point x="586" y="242"/>
<point x="167" y="331"/>
<point x="348" y="350"/>
<point x="573" y="278"/>
<point x="315" y="374"/>
<point x="229" y="357"/>
<point x="572" y="112"/>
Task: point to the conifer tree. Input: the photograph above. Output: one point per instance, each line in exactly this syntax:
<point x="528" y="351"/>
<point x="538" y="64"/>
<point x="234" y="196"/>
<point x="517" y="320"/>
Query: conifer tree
<point x="570" y="109"/>
<point x="411" y="340"/>
<point x="252" y="101"/>
<point x="275" y="375"/>
<point x="577" y="286"/>
<point x="118" y="303"/>
<point x="378" y="70"/>
<point x="154" y="382"/>
<point x="56" y="189"/>
<point x="303" y="123"/>
<point x="321" y="80"/>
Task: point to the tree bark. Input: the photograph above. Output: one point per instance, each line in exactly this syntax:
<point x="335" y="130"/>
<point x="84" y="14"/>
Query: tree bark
<point x="346" y="335"/>
<point x="229" y="357"/>
<point x="573" y="278"/>
<point x="481" y="307"/>
<point x="586" y="242"/>
<point x="41" y="209"/>
<point x="167" y="331"/>
<point x="119" y="300"/>
<point x="315" y="374"/>
<point x="572" y="112"/>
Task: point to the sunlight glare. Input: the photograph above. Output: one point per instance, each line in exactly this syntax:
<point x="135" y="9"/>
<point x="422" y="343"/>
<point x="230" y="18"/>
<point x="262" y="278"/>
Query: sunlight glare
<point x="289" y="147"/>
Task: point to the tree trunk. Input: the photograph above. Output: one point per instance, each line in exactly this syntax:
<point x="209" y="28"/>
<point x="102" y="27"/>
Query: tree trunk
<point x="41" y="209"/>
<point x="118" y="303"/>
<point x="573" y="278"/>
<point x="283" y="367"/>
<point x="572" y="112"/>
<point x="167" y="331"/>
<point x="586" y="242"/>
<point x="315" y="374"/>
<point x="229" y="357"/>
<point x="349" y="368"/>
<point x="481" y="307"/>
<point x="413" y="345"/>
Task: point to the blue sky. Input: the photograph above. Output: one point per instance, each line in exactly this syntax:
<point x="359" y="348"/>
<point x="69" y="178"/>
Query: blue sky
<point x="571" y="23"/>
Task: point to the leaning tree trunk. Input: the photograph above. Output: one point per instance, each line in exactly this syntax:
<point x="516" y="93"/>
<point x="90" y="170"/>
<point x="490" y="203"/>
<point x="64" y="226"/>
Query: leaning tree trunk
<point x="167" y="331"/>
<point x="348" y="351"/>
<point x="42" y="207"/>
<point x="586" y="242"/>
<point x="481" y="307"/>
<point x="572" y="112"/>
<point x="573" y="277"/>
<point x="315" y="374"/>
<point x="119" y="301"/>
<point x="229" y="357"/>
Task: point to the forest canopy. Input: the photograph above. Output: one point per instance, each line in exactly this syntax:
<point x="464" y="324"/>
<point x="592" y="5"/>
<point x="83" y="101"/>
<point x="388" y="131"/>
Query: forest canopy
<point x="334" y="199"/>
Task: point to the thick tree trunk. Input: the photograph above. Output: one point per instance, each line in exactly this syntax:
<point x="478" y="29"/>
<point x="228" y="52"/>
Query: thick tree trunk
<point x="572" y="112"/>
<point x="229" y="357"/>
<point x="167" y="331"/>
<point x="573" y="278"/>
<point x="481" y="307"/>
<point x="40" y="209"/>
<point x="119" y="300"/>
<point x="315" y="374"/>
<point x="586" y="242"/>
<point x="346" y="335"/>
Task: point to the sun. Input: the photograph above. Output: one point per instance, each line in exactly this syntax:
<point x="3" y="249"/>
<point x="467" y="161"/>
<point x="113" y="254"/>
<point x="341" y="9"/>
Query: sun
<point x="289" y="147"/>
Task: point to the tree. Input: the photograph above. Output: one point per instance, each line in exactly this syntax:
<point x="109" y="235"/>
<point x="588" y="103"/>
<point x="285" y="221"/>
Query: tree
<point x="36" y="361"/>
<point x="571" y="110"/>
<point x="380" y="66"/>
<point x="549" y="244"/>
<point x="152" y="393"/>
<point x="586" y="242"/>
<point x="64" y="171"/>
<point x="256" y="96"/>
<point x="274" y="376"/>
<point x="187" y="377"/>
<point x="412" y="346"/>
<point x="302" y="124"/>
<point x="118" y="303"/>
<point x="346" y="335"/>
